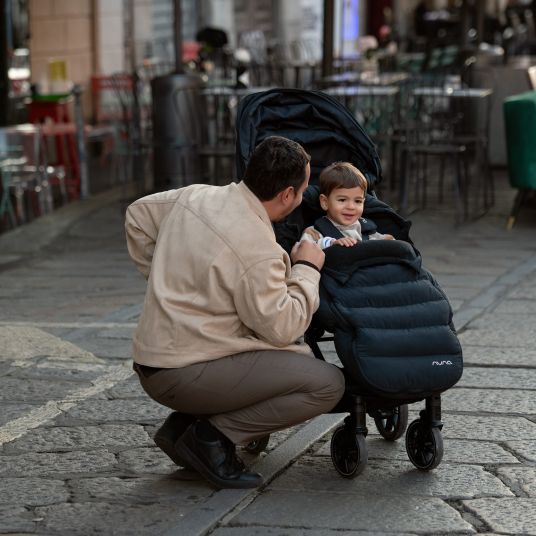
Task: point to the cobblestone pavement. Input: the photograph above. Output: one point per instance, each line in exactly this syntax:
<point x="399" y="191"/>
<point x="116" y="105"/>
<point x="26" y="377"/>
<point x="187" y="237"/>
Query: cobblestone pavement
<point x="76" y="455"/>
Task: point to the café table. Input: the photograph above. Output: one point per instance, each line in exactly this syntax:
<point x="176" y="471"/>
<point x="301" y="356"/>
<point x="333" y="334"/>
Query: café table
<point x="371" y="78"/>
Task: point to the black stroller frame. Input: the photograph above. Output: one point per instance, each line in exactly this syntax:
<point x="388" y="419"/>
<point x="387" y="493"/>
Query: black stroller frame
<point x="295" y="115"/>
<point x="424" y="442"/>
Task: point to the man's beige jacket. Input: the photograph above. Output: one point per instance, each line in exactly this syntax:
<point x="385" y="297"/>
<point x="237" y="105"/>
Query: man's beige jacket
<point x="218" y="282"/>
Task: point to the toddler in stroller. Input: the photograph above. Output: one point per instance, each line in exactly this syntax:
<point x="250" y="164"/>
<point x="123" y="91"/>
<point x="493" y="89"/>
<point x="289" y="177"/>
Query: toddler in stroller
<point x="390" y="320"/>
<point x="342" y="196"/>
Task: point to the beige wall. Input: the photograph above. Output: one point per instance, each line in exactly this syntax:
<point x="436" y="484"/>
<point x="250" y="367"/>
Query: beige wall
<point x="61" y="29"/>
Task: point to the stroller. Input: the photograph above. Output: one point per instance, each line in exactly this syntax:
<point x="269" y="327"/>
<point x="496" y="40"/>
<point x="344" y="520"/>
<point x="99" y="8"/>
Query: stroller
<point x="391" y="322"/>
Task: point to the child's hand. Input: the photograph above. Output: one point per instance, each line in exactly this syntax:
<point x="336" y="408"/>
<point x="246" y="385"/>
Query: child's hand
<point x="313" y="233"/>
<point x="389" y="237"/>
<point x="346" y="242"/>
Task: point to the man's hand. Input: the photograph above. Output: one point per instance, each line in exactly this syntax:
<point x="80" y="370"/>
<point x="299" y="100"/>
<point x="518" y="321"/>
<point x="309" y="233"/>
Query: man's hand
<point x="308" y="251"/>
<point x="346" y="242"/>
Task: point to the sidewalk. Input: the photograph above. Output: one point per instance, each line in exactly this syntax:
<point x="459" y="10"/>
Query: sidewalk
<point x="75" y="427"/>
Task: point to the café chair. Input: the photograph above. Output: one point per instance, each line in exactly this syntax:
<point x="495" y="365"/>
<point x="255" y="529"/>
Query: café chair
<point x="25" y="190"/>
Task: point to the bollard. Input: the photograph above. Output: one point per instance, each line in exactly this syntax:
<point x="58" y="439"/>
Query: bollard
<point x="81" y="142"/>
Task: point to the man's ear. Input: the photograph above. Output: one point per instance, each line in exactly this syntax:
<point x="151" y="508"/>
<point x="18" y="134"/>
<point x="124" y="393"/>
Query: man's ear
<point x="287" y="194"/>
<point x="323" y="201"/>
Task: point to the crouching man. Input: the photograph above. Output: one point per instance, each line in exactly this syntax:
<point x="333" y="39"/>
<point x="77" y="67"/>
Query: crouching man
<point x="218" y="340"/>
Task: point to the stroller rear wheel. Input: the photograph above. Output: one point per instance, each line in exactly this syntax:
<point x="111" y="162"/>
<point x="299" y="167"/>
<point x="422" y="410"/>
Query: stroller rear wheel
<point x="258" y="445"/>
<point x="348" y="452"/>
<point x="392" y="423"/>
<point x="424" y="445"/>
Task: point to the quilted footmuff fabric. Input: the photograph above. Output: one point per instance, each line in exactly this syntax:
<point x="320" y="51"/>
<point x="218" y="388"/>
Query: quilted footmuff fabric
<point x="391" y="320"/>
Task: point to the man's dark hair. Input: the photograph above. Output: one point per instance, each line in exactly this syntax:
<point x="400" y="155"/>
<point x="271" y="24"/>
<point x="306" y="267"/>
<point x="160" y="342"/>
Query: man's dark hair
<point x="275" y="164"/>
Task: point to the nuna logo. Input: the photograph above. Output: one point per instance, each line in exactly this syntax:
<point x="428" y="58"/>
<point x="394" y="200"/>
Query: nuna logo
<point x="441" y="363"/>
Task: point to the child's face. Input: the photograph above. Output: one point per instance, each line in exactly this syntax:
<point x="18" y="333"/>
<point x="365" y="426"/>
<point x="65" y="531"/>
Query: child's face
<point x="344" y="205"/>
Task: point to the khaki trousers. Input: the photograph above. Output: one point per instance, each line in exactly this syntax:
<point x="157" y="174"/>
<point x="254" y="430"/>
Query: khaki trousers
<point x="249" y="395"/>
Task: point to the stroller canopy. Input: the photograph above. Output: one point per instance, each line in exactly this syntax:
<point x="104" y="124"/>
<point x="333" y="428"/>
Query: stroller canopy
<point x="321" y="124"/>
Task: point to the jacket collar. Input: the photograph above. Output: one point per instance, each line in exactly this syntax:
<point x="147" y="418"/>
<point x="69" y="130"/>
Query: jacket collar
<point x="255" y="204"/>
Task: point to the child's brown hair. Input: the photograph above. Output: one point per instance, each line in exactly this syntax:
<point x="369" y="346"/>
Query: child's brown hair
<point x="341" y="175"/>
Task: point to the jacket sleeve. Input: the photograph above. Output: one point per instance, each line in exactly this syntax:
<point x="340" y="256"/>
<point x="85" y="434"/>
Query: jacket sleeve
<point x="142" y="222"/>
<point x="276" y="307"/>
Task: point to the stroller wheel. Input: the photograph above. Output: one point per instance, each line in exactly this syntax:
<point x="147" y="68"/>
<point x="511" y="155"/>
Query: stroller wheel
<point x="392" y="423"/>
<point x="424" y="445"/>
<point x="348" y="452"/>
<point x="258" y="445"/>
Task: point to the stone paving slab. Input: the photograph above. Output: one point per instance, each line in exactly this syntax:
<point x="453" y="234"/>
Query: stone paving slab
<point x="252" y="530"/>
<point x="393" y="478"/>
<point x="130" y="388"/>
<point x="443" y="264"/>
<point x="512" y="356"/>
<point x="487" y="427"/>
<point x="26" y="342"/>
<point x="464" y="280"/>
<point x="63" y="307"/>
<point x="144" y="490"/>
<point x="460" y="293"/>
<point x="33" y="491"/>
<point x="519" y="306"/>
<point x="145" y="461"/>
<point x="526" y="449"/>
<point x="520" y="402"/>
<point x="112" y="437"/>
<point x="117" y="333"/>
<point x="500" y="331"/>
<point x="10" y="412"/>
<point x="54" y="465"/>
<point x="455" y="451"/>
<point x="52" y="371"/>
<point x="91" y="411"/>
<point x="499" y="378"/>
<point x="506" y="516"/>
<point x="523" y="292"/>
<point x="31" y="390"/>
<point x="105" y="519"/>
<point x="318" y="510"/>
<point x="522" y="480"/>
<point x="106" y="348"/>
<point x="16" y="519"/>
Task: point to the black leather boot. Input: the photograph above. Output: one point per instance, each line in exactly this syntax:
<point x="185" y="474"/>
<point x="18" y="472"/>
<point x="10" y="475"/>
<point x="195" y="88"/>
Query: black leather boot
<point x="215" y="459"/>
<point x="168" y="434"/>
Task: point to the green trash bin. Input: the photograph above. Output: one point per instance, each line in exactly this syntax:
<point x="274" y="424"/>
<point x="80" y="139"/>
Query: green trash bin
<point x="520" y="129"/>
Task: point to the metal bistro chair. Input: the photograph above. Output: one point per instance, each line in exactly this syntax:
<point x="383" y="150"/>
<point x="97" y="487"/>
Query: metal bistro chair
<point x="375" y="108"/>
<point x="25" y="189"/>
<point x="202" y="148"/>
<point x="448" y="125"/>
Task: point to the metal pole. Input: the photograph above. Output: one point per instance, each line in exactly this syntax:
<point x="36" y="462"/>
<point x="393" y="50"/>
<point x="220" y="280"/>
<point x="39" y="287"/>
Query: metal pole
<point x="479" y="8"/>
<point x="5" y="28"/>
<point x="81" y="142"/>
<point x="327" y="43"/>
<point x="464" y="24"/>
<point x="177" y="29"/>
<point x="138" y="165"/>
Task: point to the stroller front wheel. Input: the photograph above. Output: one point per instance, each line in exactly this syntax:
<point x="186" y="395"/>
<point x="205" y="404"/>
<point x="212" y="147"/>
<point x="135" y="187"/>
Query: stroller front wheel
<point x="392" y="423"/>
<point x="258" y="445"/>
<point x="424" y="445"/>
<point x="348" y="452"/>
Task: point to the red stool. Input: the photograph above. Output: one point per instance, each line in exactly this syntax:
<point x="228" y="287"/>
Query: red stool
<point x="43" y="109"/>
